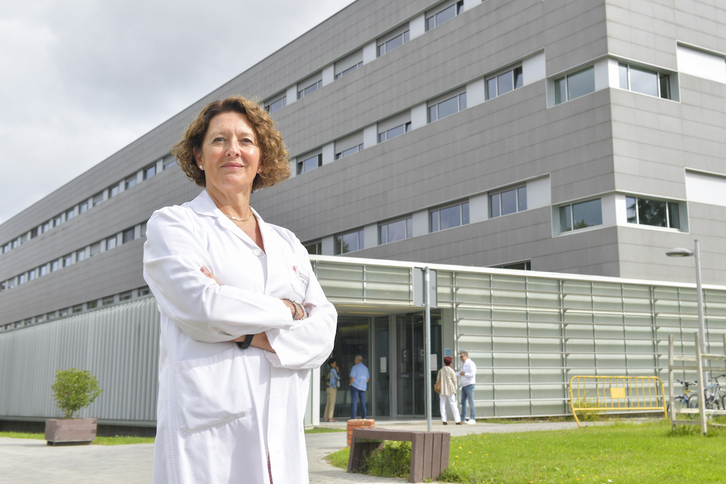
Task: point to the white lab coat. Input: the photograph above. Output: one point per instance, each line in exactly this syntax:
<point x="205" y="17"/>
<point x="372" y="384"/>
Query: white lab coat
<point x="221" y="409"/>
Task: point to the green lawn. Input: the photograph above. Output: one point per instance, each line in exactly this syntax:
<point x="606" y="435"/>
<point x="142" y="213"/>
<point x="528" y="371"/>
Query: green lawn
<point x="117" y="440"/>
<point x="617" y="453"/>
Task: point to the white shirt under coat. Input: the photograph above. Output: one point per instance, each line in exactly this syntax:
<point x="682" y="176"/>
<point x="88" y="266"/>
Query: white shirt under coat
<point x="217" y="403"/>
<point x="469" y="376"/>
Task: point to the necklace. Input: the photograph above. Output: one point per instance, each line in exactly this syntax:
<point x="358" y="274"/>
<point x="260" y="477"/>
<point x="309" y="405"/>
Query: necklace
<point x="236" y="219"/>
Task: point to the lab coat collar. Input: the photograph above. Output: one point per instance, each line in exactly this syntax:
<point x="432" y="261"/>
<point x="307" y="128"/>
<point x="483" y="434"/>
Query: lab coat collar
<point x="204" y="205"/>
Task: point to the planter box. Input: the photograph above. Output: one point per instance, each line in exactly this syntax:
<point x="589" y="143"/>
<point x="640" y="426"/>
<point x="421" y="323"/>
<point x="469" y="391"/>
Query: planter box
<point x="80" y="431"/>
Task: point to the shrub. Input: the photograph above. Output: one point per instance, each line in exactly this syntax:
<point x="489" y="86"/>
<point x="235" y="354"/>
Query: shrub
<point x="73" y="390"/>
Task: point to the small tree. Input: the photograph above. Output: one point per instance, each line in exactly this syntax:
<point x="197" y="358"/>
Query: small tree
<point x="73" y="390"/>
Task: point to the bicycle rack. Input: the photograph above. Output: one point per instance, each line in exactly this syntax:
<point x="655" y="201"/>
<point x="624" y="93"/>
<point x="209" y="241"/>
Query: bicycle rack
<point x="696" y="364"/>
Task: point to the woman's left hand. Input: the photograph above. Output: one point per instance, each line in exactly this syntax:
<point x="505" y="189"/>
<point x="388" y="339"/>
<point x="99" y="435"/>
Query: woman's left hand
<point x="259" y="340"/>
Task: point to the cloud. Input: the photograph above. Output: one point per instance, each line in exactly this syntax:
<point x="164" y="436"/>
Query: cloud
<point x="81" y="79"/>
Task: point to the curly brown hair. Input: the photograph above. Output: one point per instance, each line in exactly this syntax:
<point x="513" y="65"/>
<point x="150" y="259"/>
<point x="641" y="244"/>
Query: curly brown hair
<point x="274" y="158"/>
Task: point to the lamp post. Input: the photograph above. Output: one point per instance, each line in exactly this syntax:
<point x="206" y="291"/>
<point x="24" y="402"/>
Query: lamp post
<point x="679" y="252"/>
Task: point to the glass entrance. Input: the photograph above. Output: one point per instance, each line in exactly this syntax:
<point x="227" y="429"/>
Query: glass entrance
<point x="411" y="354"/>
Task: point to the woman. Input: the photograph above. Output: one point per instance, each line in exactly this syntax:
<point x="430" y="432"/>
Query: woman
<point x="243" y="317"/>
<point x="447" y="379"/>
<point x="332" y="382"/>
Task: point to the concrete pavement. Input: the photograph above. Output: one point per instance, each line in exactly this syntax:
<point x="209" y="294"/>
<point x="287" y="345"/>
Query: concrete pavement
<point x="33" y="462"/>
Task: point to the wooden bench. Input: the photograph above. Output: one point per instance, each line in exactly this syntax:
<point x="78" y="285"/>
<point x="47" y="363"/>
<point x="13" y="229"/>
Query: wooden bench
<point x="429" y="450"/>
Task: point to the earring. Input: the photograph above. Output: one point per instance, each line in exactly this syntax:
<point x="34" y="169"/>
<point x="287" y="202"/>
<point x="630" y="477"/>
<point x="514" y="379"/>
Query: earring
<point x="200" y="167"/>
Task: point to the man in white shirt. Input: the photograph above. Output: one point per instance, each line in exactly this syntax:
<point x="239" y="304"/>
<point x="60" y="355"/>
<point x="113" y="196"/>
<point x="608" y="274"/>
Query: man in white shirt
<point x="467" y="373"/>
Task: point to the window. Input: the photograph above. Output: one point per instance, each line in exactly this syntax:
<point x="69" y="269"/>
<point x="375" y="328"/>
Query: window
<point x="309" y="89"/>
<point x="574" y="85"/>
<point x="444" y="15"/>
<point x="31" y="275"/>
<point x="349" y="151"/>
<point x="645" y="81"/>
<point x="503" y="83"/>
<point x="169" y="161"/>
<point x="657" y="213"/>
<point x="277" y="104"/>
<point x="125" y="296"/>
<point x="508" y="201"/>
<point x="314" y="248"/>
<point x="83" y="207"/>
<point x="130" y="182"/>
<point x="50" y="315"/>
<point x="22" y="278"/>
<point x="520" y="266"/>
<point x="98" y="199"/>
<point x="6" y="247"/>
<point x="80" y="255"/>
<point x="77" y="309"/>
<point x="128" y="235"/>
<point x="580" y="215"/>
<point x="95" y="249"/>
<point x="144" y="291"/>
<point x="70" y="214"/>
<point x="91" y="304"/>
<point x="393" y="132"/>
<point x="36" y="232"/>
<point x="142" y="229"/>
<point x="114" y="190"/>
<point x="43" y="270"/>
<point x="309" y="163"/>
<point x="349" y="70"/>
<point x="395" y="42"/>
<point x="149" y="171"/>
<point x="3" y="285"/>
<point x="57" y="220"/>
<point x="108" y="300"/>
<point x="349" y="242"/>
<point x="54" y="266"/>
<point x="394" y="231"/>
<point x="16" y="243"/>
<point x="63" y="312"/>
<point x="449" y="217"/>
<point x="111" y="243"/>
<point x="448" y="107"/>
<point x="67" y="260"/>
<point x="24" y="238"/>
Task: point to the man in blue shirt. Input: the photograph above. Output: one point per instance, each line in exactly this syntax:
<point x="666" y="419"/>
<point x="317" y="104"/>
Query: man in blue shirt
<point x="359" y="377"/>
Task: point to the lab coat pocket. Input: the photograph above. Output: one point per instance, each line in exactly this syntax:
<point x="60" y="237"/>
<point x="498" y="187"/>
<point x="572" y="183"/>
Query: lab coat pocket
<point x="211" y="391"/>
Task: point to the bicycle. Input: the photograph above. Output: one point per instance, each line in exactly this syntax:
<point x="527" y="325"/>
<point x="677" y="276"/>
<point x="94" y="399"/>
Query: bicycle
<point x="686" y="401"/>
<point x="714" y="396"/>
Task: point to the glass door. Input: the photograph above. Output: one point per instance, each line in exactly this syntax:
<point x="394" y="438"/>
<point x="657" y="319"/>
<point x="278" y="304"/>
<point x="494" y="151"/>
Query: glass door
<point x="411" y="353"/>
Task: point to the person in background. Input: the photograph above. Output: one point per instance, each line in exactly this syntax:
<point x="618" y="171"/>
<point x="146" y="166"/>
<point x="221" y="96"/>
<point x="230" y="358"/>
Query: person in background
<point x="447" y="380"/>
<point x="467" y="373"/>
<point x="359" y="377"/>
<point x="332" y="382"/>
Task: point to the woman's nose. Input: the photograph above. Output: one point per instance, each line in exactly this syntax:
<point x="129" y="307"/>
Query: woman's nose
<point x="234" y="148"/>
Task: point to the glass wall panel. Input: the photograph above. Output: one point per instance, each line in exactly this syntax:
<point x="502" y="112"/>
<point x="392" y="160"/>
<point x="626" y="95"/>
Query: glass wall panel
<point x="580" y="83"/>
<point x="643" y="81"/>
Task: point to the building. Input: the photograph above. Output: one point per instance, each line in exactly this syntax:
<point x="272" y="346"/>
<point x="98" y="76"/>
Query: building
<point x="566" y="137"/>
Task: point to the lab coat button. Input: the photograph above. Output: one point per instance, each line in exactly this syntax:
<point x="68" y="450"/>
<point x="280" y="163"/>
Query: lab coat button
<point x="257" y="252"/>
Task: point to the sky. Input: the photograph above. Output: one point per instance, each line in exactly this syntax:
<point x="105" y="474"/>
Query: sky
<point x="81" y="79"/>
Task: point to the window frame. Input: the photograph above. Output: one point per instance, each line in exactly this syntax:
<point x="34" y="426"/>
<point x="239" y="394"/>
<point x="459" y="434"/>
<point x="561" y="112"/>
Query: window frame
<point x="300" y="164"/>
<point x="348" y="152"/>
<point x="668" y="205"/>
<point x="521" y="206"/>
<point x="566" y="78"/>
<point x="405" y="37"/>
<point x="458" y="7"/>
<point x="338" y="241"/>
<point x="464" y="216"/>
<point x="276" y="99"/>
<point x="460" y="103"/>
<point x="660" y="77"/>
<point x="408" y="229"/>
<point x="516" y="73"/>
<point x="571" y="206"/>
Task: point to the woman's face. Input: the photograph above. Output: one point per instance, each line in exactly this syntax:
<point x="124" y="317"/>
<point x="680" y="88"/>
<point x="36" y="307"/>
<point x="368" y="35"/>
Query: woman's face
<point x="230" y="155"/>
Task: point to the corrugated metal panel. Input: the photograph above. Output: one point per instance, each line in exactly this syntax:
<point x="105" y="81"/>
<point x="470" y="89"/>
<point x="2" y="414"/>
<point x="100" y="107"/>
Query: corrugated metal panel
<point x="119" y="345"/>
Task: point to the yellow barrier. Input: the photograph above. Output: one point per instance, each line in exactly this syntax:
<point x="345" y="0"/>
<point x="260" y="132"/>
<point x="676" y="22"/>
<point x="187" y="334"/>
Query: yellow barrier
<point x="616" y="393"/>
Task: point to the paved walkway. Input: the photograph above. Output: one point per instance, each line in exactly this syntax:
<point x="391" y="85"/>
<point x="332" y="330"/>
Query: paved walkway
<point x="33" y="462"/>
